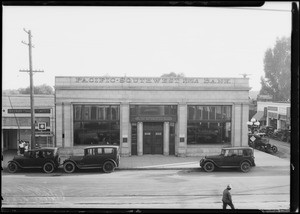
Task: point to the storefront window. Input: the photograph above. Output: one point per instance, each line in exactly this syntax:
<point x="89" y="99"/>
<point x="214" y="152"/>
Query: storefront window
<point x="100" y="125"/>
<point x="153" y="110"/>
<point x="209" y="124"/>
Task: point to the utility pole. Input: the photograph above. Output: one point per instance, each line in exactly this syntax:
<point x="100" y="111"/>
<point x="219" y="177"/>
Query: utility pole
<point x="31" y="88"/>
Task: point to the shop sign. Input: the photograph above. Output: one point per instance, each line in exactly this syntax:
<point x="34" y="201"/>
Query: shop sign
<point x="28" y="111"/>
<point x="47" y="132"/>
<point x="272" y="108"/>
<point x="282" y="117"/>
<point x="264" y="97"/>
<point x="42" y="126"/>
<point x="265" y="111"/>
<point x="273" y="115"/>
<point x="22" y="121"/>
<point x="152" y="80"/>
<point x="153" y="118"/>
<point x="253" y="138"/>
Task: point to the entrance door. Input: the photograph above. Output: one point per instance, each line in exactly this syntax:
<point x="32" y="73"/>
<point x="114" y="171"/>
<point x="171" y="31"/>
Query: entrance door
<point x="153" y="138"/>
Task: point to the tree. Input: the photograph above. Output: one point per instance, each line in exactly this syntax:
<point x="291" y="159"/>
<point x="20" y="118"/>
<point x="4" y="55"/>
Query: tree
<point x="10" y="91"/>
<point x="41" y="89"/>
<point x="277" y="67"/>
<point x="173" y="74"/>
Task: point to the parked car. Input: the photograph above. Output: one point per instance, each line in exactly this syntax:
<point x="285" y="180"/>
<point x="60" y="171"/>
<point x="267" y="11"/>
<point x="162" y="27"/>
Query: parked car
<point x="269" y="130"/>
<point x="282" y="135"/>
<point x="106" y="157"/>
<point x="44" y="158"/>
<point x="231" y="157"/>
<point x="261" y="143"/>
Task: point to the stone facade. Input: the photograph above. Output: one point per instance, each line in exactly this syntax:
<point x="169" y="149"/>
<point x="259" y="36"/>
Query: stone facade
<point x="126" y="91"/>
<point x="16" y="119"/>
<point x="278" y="113"/>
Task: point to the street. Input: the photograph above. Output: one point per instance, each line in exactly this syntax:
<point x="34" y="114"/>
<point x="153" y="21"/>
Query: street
<point x="261" y="188"/>
<point x="284" y="148"/>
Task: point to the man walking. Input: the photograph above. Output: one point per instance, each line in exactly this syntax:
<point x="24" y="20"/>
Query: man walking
<point x="227" y="200"/>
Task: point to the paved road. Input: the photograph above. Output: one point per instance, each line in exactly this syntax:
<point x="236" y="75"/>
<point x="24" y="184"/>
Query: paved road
<point x="262" y="188"/>
<point x="284" y="148"/>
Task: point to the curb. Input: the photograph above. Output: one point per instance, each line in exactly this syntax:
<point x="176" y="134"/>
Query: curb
<point x="173" y="168"/>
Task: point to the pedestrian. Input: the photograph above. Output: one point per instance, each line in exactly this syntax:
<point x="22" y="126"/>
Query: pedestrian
<point x="26" y="146"/>
<point x="227" y="199"/>
<point x="22" y="147"/>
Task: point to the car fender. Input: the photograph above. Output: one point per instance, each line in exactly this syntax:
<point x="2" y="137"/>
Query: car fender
<point x="69" y="160"/>
<point x="50" y="161"/>
<point x="12" y="161"/>
<point x="246" y="161"/>
<point x="210" y="160"/>
<point x="112" y="160"/>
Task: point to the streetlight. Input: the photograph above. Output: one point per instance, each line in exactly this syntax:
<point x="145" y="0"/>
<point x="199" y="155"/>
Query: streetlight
<point x="253" y="123"/>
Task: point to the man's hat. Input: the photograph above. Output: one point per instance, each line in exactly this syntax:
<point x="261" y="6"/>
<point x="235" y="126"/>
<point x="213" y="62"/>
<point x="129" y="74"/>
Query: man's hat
<point x="229" y="186"/>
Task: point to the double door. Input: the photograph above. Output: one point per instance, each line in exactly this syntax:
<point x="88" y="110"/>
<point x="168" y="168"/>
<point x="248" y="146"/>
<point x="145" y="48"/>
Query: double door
<point x="153" y="138"/>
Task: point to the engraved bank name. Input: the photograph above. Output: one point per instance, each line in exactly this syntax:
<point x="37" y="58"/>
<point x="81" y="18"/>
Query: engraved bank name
<point x="151" y="80"/>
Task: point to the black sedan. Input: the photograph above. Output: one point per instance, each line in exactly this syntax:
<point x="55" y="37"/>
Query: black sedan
<point x="43" y="158"/>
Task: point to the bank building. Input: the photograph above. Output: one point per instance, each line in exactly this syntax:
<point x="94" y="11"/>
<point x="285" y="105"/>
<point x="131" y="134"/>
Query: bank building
<point x="152" y="115"/>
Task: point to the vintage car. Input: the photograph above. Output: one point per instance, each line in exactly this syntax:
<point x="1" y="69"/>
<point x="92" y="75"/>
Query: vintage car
<point x="44" y="158"/>
<point x="261" y="143"/>
<point x="231" y="157"/>
<point x="105" y="157"/>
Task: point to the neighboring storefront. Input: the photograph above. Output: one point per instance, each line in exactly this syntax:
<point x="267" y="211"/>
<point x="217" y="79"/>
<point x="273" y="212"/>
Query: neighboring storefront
<point x="152" y="115"/>
<point x="16" y="120"/>
<point x="274" y="114"/>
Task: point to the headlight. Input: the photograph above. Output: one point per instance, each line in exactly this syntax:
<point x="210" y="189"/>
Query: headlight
<point x="201" y="161"/>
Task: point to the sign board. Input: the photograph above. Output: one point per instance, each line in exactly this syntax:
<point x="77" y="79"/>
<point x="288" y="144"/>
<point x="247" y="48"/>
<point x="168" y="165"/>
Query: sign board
<point x="28" y="111"/>
<point x="252" y="138"/>
<point x="264" y="97"/>
<point x="153" y="118"/>
<point x="272" y="108"/>
<point x="42" y="126"/>
<point x="273" y="115"/>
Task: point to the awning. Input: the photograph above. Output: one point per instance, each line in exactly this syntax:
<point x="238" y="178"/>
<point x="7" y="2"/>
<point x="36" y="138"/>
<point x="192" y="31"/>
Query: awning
<point x="259" y="116"/>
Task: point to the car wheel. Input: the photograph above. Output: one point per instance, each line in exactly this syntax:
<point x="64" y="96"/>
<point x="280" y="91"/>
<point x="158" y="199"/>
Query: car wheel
<point x="48" y="167"/>
<point x="12" y="167"/>
<point x="245" y="166"/>
<point x="108" y="166"/>
<point x="274" y="149"/>
<point x="209" y="167"/>
<point x="69" y="167"/>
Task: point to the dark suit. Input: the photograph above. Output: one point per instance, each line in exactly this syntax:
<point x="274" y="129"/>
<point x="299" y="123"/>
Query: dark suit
<point x="227" y="200"/>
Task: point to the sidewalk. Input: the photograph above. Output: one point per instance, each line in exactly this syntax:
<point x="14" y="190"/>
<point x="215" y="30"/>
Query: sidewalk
<point x="262" y="159"/>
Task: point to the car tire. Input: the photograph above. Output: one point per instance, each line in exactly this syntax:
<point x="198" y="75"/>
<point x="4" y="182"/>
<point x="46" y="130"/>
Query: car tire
<point x="48" y="167"/>
<point x="69" y="167"/>
<point x="209" y="167"/>
<point x="245" y="166"/>
<point x="12" y="167"/>
<point x="274" y="149"/>
<point x="108" y="167"/>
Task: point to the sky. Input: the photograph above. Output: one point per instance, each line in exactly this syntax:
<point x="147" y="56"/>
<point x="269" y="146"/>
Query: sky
<point x="139" y="41"/>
